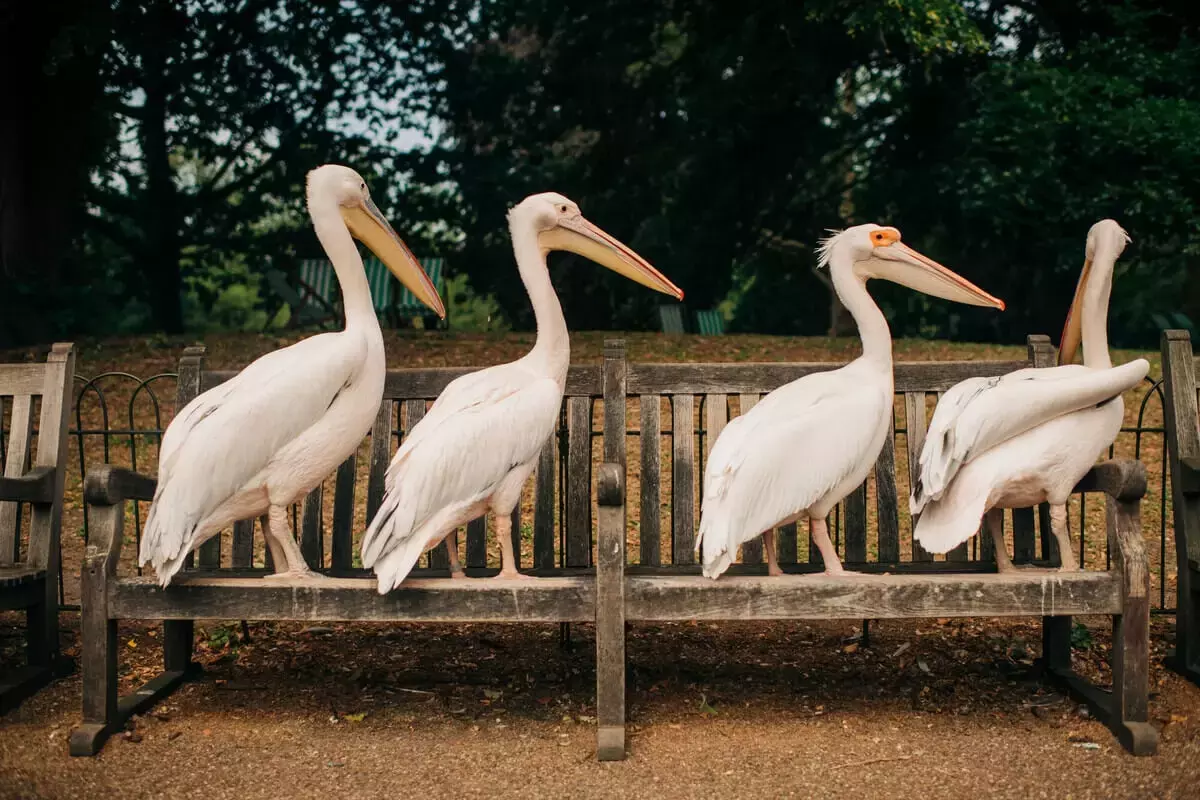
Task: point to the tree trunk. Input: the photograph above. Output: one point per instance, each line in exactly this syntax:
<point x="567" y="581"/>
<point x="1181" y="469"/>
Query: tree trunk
<point x="52" y="126"/>
<point x="160" y="263"/>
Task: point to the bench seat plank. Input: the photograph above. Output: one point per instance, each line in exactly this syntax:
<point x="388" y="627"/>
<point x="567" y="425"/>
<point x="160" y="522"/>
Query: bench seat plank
<point x="871" y="596"/>
<point x="560" y="599"/>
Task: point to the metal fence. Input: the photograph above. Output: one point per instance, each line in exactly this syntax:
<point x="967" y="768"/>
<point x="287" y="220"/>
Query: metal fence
<point x="119" y="419"/>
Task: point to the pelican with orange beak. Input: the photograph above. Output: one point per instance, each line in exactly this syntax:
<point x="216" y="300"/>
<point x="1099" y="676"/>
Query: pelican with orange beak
<point x="255" y="444"/>
<point x="809" y="443"/>
<point x="1028" y="437"/>
<point x="477" y="445"/>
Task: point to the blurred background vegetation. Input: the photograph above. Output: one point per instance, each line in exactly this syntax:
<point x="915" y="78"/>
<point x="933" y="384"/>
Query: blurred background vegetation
<point x="153" y="152"/>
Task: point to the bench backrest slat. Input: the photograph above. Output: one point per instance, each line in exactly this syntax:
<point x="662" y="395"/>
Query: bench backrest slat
<point x="579" y="482"/>
<point x="16" y="462"/>
<point x="886" y="501"/>
<point x="683" y="478"/>
<point x="50" y="383"/>
<point x="915" y="426"/>
<point x="650" y="508"/>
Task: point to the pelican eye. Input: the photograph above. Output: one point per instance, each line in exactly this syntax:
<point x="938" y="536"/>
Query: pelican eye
<point x="562" y="209"/>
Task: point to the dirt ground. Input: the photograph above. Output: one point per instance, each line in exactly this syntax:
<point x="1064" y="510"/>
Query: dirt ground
<point x="939" y="709"/>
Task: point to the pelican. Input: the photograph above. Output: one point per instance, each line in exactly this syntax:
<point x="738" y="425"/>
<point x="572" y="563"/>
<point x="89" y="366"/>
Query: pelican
<point x="255" y="444"/>
<point x="1029" y="436"/>
<point x="809" y="443"/>
<point x="479" y="442"/>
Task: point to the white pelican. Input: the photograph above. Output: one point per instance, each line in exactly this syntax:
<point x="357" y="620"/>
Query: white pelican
<point x="1029" y="436"/>
<point x="811" y="442"/>
<point x="479" y="442"/>
<point x="263" y="439"/>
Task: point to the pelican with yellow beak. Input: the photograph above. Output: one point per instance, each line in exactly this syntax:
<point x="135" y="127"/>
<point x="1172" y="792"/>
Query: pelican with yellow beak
<point x="257" y="443"/>
<point x="809" y="443"/>
<point x="1028" y="437"/>
<point x="477" y="445"/>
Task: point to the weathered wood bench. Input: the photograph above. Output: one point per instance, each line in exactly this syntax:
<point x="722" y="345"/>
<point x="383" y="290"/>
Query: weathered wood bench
<point x="645" y="587"/>
<point x="224" y="585"/>
<point x="1180" y="367"/>
<point x="29" y="580"/>
<point x="224" y="581"/>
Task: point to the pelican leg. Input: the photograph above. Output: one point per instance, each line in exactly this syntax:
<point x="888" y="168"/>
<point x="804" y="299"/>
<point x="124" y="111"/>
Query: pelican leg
<point x="820" y="535"/>
<point x="278" y="557"/>
<point x="1062" y="533"/>
<point x="772" y="557"/>
<point x="451" y="542"/>
<point x="292" y="564"/>
<point x="508" y="560"/>
<point x="993" y="520"/>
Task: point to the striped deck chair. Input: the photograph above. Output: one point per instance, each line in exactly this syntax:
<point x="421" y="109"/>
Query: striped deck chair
<point x="671" y="318"/>
<point x="380" y="279"/>
<point x="710" y="323"/>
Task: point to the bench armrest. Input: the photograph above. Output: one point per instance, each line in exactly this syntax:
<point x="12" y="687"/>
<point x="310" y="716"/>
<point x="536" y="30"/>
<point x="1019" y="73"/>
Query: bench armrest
<point x="106" y="488"/>
<point x="35" y="486"/>
<point x="107" y="485"/>
<point x="1121" y="479"/>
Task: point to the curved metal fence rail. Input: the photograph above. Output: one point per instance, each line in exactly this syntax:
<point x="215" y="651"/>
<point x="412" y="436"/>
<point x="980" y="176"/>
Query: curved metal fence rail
<point x="119" y="419"/>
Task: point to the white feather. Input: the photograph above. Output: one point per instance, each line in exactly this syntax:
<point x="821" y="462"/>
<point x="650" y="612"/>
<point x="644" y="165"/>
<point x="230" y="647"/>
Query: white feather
<point x="484" y="426"/>
<point x="793" y="452"/>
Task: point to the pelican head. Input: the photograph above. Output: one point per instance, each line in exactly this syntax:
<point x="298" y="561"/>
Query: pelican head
<point x="561" y="226"/>
<point x="1105" y="242"/>
<point x="877" y="252"/>
<point x="348" y="191"/>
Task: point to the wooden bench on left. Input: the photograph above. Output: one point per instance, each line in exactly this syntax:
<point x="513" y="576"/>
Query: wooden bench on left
<point x="31" y="504"/>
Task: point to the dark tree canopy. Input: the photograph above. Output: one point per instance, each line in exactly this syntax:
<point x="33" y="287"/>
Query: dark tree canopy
<point x="154" y="154"/>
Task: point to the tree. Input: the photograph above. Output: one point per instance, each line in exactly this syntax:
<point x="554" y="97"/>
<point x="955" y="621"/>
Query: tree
<point x="685" y="129"/>
<point x="223" y="107"/>
<point x="52" y="130"/>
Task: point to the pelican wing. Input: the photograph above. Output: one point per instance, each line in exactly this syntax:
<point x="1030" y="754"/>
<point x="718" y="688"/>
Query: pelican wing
<point x="477" y="433"/>
<point x="787" y="453"/>
<point x="981" y="413"/>
<point x="227" y="435"/>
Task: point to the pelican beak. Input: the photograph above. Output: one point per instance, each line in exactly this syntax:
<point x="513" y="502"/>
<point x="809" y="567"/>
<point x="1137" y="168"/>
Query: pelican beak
<point x="901" y="264"/>
<point x="368" y="225"/>
<point x="577" y="235"/>
<point x="1072" y="333"/>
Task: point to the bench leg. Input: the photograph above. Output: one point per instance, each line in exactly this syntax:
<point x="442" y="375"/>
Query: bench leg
<point x="104" y="713"/>
<point x="610" y="625"/>
<point x="1056" y="644"/>
<point x="24" y="681"/>
<point x="1131" y="679"/>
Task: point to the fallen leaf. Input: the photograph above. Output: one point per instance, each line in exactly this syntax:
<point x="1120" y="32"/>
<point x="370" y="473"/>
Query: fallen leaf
<point x="901" y="649"/>
<point x="359" y="717"/>
<point x="131" y="644"/>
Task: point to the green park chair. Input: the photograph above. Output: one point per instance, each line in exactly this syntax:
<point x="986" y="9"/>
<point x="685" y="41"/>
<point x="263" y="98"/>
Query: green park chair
<point x="710" y="323"/>
<point x="671" y="318"/>
<point x="316" y="302"/>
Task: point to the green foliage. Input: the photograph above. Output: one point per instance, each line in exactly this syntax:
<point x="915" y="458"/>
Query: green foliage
<point x="469" y="311"/>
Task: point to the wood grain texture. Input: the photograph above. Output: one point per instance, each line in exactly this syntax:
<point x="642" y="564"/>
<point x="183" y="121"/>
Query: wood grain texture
<point x="871" y="596"/>
<point x="16" y="461"/>
<point x="759" y="378"/>
<point x="565" y="599"/>
<point x="543" y="505"/>
<point x="610" y="613"/>
<point x="683" y="479"/>
<point x="886" y="499"/>
<point x="381" y="456"/>
<point x="855" y="533"/>
<point x="915" y="426"/>
<point x="650" y="517"/>
<point x="579" y="482"/>
<point x="1183" y="438"/>
<point x="311" y="523"/>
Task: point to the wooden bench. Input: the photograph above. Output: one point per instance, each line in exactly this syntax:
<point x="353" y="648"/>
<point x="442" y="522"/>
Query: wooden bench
<point x="29" y="580"/>
<point x="1180" y="367"/>
<point x="224" y="582"/>
<point x="661" y="582"/>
